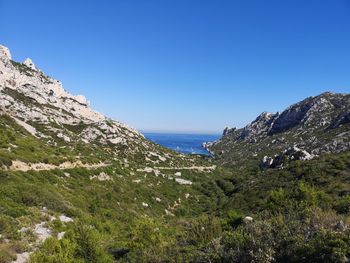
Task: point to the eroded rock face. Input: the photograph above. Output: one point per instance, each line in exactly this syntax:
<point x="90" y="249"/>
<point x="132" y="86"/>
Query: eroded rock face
<point x="18" y="80"/>
<point x="319" y="124"/>
<point x="259" y="126"/>
<point x="228" y="130"/>
<point x="343" y="118"/>
<point x="30" y="96"/>
<point x="313" y="111"/>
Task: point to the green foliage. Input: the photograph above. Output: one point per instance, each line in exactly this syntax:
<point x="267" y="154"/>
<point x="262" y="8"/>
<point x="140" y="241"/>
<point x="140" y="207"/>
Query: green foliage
<point x="277" y="200"/>
<point x="282" y="238"/>
<point x="87" y="245"/>
<point x="226" y="186"/>
<point x="203" y="229"/>
<point x="148" y="241"/>
<point x="309" y="196"/>
<point x="232" y="220"/>
<point x="8" y="227"/>
<point x="82" y="244"/>
<point x="5" y="161"/>
<point x="342" y="205"/>
<point x="55" y="251"/>
<point x="6" y="256"/>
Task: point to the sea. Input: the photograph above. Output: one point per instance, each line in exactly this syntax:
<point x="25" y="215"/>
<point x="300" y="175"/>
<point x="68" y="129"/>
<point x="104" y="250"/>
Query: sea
<point x="181" y="142"/>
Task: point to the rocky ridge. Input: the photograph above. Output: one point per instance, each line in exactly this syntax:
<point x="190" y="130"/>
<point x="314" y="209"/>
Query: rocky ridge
<point x="31" y="96"/>
<point x="41" y="105"/>
<point x="318" y="125"/>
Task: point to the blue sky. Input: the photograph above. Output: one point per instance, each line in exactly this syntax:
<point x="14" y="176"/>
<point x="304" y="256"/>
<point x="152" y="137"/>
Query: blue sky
<point x="185" y="65"/>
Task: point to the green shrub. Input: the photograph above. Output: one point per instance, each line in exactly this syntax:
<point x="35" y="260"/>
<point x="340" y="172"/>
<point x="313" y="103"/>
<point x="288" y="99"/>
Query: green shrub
<point x="148" y="243"/>
<point x="8" y="227"/>
<point x="310" y="196"/>
<point x="55" y="251"/>
<point x="6" y="256"/>
<point x="5" y="161"/>
<point x="88" y="245"/>
<point x="232" y="219"/>
<point x="325" y="246"/>
<point x="286" y="237"/>
<point x="342" y="205"/>
<point x="204" y="229"/>
<point x="277" y="200"/>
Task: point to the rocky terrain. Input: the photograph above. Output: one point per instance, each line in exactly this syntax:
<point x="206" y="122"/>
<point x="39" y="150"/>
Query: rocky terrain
<point x="318" y="125"/>
<point x="43" y="108"/>
<point x="76" y="186"/>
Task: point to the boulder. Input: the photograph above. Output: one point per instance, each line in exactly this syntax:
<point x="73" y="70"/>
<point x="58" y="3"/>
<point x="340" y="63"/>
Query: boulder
<point x="290" y="154"/>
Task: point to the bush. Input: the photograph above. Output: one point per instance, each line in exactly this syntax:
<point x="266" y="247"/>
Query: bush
<point x="232" y="219"/>
<point x="6" y="256"/>
<point x="342" y="206"/>
<point x="286" y="237"/>
<point x="5" y="161"/>
<point x="8" y="227"/>
<point x="88" y="245"/>
<point x="277" y="200"/>
<point x="148" y="242"/>
<point x="55" y="251"/>
<point x="325" y="246"/>
<point x="309" y="196"/>
<point x="204" y="229"/>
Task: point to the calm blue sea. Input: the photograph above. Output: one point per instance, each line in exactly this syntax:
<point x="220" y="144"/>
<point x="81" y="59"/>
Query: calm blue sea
<point x="184" y="143"/>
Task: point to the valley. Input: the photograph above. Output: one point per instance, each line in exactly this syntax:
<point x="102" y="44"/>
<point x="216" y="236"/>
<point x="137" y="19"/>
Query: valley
<point x="76" y="186"/>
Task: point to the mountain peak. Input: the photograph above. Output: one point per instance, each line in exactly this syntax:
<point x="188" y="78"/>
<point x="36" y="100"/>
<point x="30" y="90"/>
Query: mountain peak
<point x="5" y="53"/>
<point x="29" y="63"/>
<point x="327" y="93"/>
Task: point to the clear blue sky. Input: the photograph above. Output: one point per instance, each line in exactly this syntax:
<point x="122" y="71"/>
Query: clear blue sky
<point x="185" y="65"/>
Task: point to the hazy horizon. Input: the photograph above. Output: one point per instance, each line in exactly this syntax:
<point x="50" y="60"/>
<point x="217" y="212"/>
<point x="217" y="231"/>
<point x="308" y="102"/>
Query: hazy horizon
<point x="185" y="66"/>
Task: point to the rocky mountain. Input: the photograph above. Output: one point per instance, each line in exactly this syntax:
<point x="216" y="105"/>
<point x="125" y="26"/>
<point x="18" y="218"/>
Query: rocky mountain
<point x="319" y="124"/>
<point x="41" y="106"/>
<point x="30" y="96"/>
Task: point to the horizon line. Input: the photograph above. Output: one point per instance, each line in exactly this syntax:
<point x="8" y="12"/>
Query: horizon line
<point x="205" y="132"/>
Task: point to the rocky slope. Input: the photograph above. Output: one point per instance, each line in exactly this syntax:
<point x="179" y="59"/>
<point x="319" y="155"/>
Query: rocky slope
<point x="29" y="95"/>
<point x="319" y="124"/>
<point x="43" y="108"/>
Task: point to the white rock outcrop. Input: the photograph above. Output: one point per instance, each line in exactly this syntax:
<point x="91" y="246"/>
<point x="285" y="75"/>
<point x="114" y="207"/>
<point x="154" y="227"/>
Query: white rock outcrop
<point x="183" y="181"/>
<point x="5" y="53"/>
<point x="29" y="63"/>
<point x="29" y="95"/>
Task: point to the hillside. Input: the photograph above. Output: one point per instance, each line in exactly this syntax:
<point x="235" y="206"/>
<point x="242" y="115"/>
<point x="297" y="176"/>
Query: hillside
<point x="76" y="186"/>
<point x="316" y="125"/>
<point x="41" y="106"/>
<point x="59" y="156"/>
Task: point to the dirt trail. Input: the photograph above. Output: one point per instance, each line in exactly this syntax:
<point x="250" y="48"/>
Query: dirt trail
<point x="198" y="168"/>
<point x="24" y="167"/>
